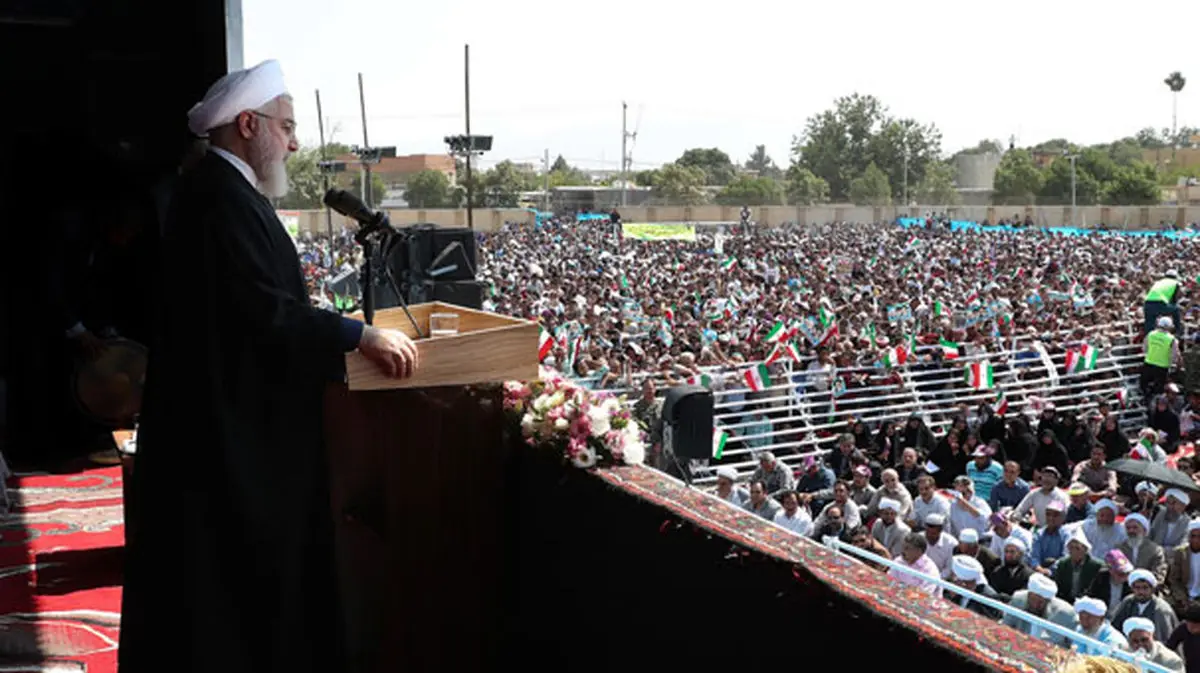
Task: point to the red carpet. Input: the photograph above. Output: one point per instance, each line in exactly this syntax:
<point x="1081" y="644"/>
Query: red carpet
<point x="60" y="573"/>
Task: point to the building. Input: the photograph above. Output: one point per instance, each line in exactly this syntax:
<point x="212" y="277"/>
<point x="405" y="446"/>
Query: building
<point x="584" y="198"/>
<point x="395" y="171"/>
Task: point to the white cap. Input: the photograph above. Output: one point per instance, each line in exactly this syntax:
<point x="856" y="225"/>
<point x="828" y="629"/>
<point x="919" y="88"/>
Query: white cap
<point x="1079" y="537"/>
<point x="1194" y="524"/>
<point x="1014" y="541"/>
<point x="1091" y="606"/>
<point x="1105" y="503"/>
<point x="1165" y="322"/>
<point x="888" y="503"/>
<point x="935" y="519"/>
<point x="966" y="567"/>
<point x="1143" y="486"/>
<point x="726" y="472"/>
<point x="235" y="93"/>
<point x="1180" y="495"/>
<point x="1042" y="586"/>
<point x="968" y="536"/>
<point x="1138" y="624"/>
<point x="1142" y="575"/>
<point x="1139" y="520"/>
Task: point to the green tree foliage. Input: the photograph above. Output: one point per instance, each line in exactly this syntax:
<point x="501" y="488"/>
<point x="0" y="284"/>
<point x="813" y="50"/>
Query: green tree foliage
<point x="645" y="178"/>
<point x="1151" y="139"/>
<point x="838" y="145"/>
<point x="1018" y="180"/>
<point x="1133" y="185"/>
<point x="682" y="185"/>
<point x="560" y="165"/>
<point x="804" y="188"/>
<point x="938" y="186"/>
<point x="871" y="188"/>
<point x="501" y="186"/>
<point x="763" y="164"/>
<point x="563" y="174"/>
<point x="1056" y="190"/>
<point x="306" y="185"/>
<point x="429" y="189"/>
<point x="716" y="165"/>
<point x="747" y="190"/>
<point x="378" y="188"/>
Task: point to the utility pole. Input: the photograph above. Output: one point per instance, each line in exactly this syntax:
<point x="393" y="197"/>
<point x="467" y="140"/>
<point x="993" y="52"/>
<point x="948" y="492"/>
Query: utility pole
<point x="624" y="154"/>
<point x="906" y="177"/>
<point x="325" y="177"/>
<point x="366" y="167"/>
<point x="546" y="181"/>
<point x="470" y="147"/>
<point x="1072" y="157"/>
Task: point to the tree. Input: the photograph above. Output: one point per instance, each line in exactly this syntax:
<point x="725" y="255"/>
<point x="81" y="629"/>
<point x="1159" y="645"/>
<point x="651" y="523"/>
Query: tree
<point x="1055" y="146"/>
<point x="747" y="190"/>
<point x="1124" y="152"/>
<point x="1175" y="82"/>
<point x="501" y="186"/>
<point x="762" y="164"/>
<point x="984" y="147"/>
<point x="306" y="185"/>
<point x="1056" y="190"/>
<point x="560" y="165"/>
<point x="1134" y="185"/>
<point x="839" y="144"/>
<point x="871" y="188"/>
<point x="1150" y="139"/>
<point x="716" y="165"/>
<point x="937" y="188"/>
<point x="804" y="188"/>
<point x="1018" y="180"/>
<point x="645" y="178"/>
<point x="378" y="188"/>
<point x="683" y="185"/>
<point x="428" y="189"/>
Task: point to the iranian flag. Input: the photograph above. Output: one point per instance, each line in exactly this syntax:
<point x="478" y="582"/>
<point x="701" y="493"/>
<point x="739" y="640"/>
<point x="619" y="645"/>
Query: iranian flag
<point x="895" y="357"/>
<point x="1082" y="360"/>
<point x="1000" y="406"/>
<point x="699" y="380"/>
<point x="1122" y="399"/>
<point x="949" y="349"/>
<point x="729" y="263"/>
<point x="792" y="350"/>
<point x="545" y="344"/>
<point x="669" y="313"/>
<point x="776" y="354"/>
<point x="1142" y="450"/>
<point x="720" y="438"/>
<point x="979" y="376"/>
<point x="940" y="310"/>
<point x="757" y="378"/>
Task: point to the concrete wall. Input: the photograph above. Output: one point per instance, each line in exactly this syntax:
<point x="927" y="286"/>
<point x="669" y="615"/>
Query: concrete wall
<point x="1116" y="217"/>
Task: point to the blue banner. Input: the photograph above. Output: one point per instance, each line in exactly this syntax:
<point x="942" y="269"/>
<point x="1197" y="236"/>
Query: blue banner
<point x="964" y="225"/>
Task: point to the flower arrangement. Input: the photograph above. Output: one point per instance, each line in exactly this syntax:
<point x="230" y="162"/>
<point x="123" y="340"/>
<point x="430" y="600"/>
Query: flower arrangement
<point x="588" y="428"/>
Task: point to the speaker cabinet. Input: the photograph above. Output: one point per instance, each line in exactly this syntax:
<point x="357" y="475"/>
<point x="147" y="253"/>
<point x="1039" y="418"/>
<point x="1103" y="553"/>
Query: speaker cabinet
<point x="687" y="412"/>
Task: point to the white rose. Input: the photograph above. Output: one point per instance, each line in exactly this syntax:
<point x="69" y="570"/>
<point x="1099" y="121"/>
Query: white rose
<point x="561" y="424"/>
<point x="600" y="421"/>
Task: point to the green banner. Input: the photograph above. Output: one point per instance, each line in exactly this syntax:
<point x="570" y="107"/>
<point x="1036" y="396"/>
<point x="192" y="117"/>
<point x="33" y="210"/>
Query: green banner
<point x="654" y="231"/>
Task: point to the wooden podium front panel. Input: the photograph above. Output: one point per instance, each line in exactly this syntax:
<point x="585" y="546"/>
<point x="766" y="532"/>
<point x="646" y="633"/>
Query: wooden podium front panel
<point x="418" y="493"/>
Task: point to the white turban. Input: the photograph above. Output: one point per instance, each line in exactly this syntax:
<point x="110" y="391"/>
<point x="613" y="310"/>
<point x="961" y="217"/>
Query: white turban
<point x="727" y="472"/>
<point x="966" y="568"/>
<point x="235" y="93"/>
<point x="934" y="519"/>
<point x="1092" y="606"/>
<point x="888" y="503"/>
<point x="1138" y="624"/>
<point x="1106" y="504"/>
<point x="969" y="536"/>
<point x="1144" y="486"/>
<point x="1180" y="495"/>
<point x="1079" y="537"/>
<point x="1014" y="541"/>
<point x="1140" y="520"/>
<point x="1041" y="585"/>
<point x="1194" y="524"/>
<point x="1141" y="574"/>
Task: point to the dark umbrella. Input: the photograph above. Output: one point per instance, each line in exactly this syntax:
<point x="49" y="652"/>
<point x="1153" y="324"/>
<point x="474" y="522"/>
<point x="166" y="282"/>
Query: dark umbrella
<point x="1153" y="472"/>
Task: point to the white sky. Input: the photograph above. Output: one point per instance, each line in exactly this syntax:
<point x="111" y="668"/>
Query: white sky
<point x="552" y="75"/>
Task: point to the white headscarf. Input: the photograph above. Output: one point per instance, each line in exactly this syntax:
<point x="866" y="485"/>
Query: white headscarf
<point x="235" y="93"/>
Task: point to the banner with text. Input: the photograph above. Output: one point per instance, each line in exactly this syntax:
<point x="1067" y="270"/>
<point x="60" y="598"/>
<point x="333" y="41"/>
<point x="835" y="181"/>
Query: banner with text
<point x="654" y="231"/>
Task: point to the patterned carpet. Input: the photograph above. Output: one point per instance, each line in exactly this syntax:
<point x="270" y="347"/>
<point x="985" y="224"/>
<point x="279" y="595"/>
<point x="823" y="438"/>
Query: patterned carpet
<point x="60" y="573"/>
<point x="973" y="637"/>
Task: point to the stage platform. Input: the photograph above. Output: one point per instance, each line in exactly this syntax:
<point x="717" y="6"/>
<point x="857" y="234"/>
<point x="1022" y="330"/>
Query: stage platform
<point x="617" y="568"/>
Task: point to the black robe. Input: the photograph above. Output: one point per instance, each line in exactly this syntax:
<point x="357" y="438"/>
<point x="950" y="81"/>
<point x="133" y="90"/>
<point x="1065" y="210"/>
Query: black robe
<point x="230" y="566"/>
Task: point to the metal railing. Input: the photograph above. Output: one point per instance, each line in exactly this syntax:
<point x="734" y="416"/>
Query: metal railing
<point x="1075" y="637"/>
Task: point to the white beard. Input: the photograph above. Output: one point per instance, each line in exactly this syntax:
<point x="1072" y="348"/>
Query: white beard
<point x="269" y="165"/>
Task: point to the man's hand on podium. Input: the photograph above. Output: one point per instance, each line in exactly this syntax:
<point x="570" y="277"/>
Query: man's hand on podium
<point x="392" y="351"/>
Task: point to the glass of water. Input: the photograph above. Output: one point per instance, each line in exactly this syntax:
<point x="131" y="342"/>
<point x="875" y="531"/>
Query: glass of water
<point x="443" y="324"/>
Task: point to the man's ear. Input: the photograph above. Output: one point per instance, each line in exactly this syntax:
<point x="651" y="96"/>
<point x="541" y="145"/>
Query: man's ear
<point x="245" y="123"/>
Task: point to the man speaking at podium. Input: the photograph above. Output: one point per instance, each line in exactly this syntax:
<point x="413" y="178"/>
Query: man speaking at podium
<point x="230" y="563"/>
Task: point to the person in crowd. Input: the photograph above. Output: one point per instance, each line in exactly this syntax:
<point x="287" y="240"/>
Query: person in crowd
<point x="1094" y="473"/>
<point x="1169" y="527"/>
<point x="967" y="572"/>
<point x="760" y="502"/>
<point x="1035" y="501"/>
<point x="928" y="501"/>
<point x="1161" y="300"/>
<point x="1146" y="500"/>
<point x="1162" y="355"/>
<point x="1010" y="490"/>
<point x="1102" y="530"/>
<point x="1093" y="624"/>
<point x="1081" y="508"/>
<point x="984" y="472"/>
<point x="1002" y="528"/>
<point x="841" y="499"/>
<point x="1116" y="444"/>
<point x="967" y="510"/>
<point x="1076" y="572"/>
<point x="890" y="490"/>
<point x="772" y="472"/>
<point x="1144" y="642"/>
<point x="1143" y="602"/>
<point x="940" y="545"/>
<point x="968" y="545"/>
<point x="727" y="488"/>
<point x="1013" y="573"/>
<point x="910" y="470"/>
<point x="815" y="478"/>
<point x="1112" y="583"/>
<point x="1050" y="542"/>
<point x="920" y="567"/>
<point x="1186" y="638"/>
<point x="888" y="529"/>
<point x="1183" y="571"/>
<point x="861" y="490"/>
<point x="1141" y="550"/>
<point x="831" y="523"/>
<point x="1039" y="599"/>
<point x="860" y="537"/>
<point x="794" y="517"/>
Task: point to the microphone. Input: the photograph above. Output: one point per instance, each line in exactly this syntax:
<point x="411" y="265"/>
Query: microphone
<point x="352" y="207"/>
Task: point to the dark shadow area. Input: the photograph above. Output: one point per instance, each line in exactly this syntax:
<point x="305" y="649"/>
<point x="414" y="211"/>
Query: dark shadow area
<point x="79" y="570"/>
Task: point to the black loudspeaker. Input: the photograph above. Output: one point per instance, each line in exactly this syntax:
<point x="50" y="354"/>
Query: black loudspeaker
<point x="445" y="254"/>
<point x="687" y="413"/>
<point x="467" y="293"/>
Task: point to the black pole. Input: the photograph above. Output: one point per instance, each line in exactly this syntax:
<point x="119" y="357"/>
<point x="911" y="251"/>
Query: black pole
<point x="470" y="148"/>
<point x="325" y="178"/>
<point x="368" y="195"/>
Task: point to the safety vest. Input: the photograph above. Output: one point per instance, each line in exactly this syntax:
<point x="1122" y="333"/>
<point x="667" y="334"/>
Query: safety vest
<point x="1158" y="348"/>
<point x="1163" y="290"/>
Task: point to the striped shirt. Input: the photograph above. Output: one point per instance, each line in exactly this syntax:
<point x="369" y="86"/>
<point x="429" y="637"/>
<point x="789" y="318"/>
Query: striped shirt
<point x="986" y="478"/>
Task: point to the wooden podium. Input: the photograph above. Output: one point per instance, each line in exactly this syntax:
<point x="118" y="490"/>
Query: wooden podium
<point x="418" y="479"/>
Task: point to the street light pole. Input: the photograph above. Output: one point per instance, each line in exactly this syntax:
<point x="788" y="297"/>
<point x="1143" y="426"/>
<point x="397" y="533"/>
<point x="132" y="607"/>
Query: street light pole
<point x="1072" y="157"/>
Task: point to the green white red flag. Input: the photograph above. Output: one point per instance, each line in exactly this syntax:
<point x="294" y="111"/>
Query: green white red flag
<point x="979" y="376"/>
<point x="758" y="378"/>
<point x="949" y="349"/>
<point x="1082" y="360"/>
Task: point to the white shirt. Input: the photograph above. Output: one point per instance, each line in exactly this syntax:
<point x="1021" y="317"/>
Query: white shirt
<point x="1103" y="539"/>
<point x="801" y="523"/>
<point x="938" y="504"/>
<point x="236" y="161"/>
<point x="942" y="552"/>
<point x="1194" y="582"/>
<point x="961" y="519"/>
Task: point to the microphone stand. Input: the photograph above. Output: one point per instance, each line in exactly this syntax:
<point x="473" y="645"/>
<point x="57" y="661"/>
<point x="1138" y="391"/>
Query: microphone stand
<point x="367" y="236"/>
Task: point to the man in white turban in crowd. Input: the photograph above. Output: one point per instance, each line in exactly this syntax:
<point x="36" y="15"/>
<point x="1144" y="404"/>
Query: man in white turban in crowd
<point x="1144" y="643"/>
<point x="1091" y="613"/>
<point x="1170" y="526"/>
<point x="727" y="488"/>
<point x="1040" y="600"/>
<point x="888" y="529"/>
<point x="1102" y="530"/>
<point x="1183" y="571"/>
<point x="968" y="545"/>
<point x="967" y="572"/>
<point x="1012" y="575"/>
<point x="1076" y="571"/>
<point x="940" y="544"/>
<point x="237" y="374"/>
<point x="1140" y="550"/>
<point x="1144" y="603"/>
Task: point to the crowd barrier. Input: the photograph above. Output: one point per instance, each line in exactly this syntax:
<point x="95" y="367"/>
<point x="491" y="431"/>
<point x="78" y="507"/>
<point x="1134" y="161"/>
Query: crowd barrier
<point x="964" y="225"/>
